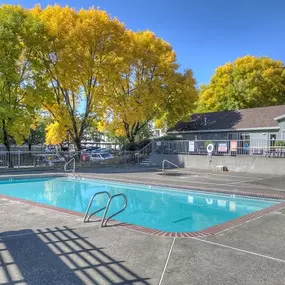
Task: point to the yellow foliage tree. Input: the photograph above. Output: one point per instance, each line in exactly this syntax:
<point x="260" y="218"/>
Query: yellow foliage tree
<point x="84" y="66"/>
<point x="245" y="83"/>
<point x="146" y="86"/>
<point x="55" y="133"/>
<point x="76" y="50"/>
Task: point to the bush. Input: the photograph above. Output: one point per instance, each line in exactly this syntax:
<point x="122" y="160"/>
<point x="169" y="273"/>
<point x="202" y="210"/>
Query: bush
<point x="136" y="145"/>
<point x="206" y="143"/>
<point x="279" y="143"/>
<point x="143" y="143"/>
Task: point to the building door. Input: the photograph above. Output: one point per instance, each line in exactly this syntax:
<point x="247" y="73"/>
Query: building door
<point x="272" y="139"/>
<point x="244" y="144"/>
<point x="272" y="143"/>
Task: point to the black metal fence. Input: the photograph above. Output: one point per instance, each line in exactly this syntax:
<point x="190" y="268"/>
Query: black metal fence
<point x="268" y="148"/>
<point x="21" y="160"/>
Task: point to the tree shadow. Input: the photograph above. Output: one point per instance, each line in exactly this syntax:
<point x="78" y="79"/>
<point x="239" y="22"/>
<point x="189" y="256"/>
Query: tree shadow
<point x="59" y="256"/>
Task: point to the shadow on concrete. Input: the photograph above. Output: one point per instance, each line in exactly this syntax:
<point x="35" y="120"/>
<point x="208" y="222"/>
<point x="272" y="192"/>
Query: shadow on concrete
<point x="59" y="256"/>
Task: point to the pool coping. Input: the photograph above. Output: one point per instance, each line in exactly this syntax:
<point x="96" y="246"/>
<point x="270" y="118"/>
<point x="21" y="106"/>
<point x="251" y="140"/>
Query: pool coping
<point x="161" y="185"/>
<point x="202" y="233"/>
<point x="187" y="188"/>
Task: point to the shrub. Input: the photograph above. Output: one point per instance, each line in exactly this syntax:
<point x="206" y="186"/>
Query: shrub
<point x="206" y="143"/>
<point x="279" y="143"/>
<point x="135" y="146"/>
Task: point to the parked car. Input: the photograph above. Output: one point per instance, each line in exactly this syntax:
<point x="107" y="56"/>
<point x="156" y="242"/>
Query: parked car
<point x="113" y="151"/>
<point x="91" y="149"/>
<point x="85" y="155"/>
<point x="100" y="150"/>
<point x="48" y="159"/>
<point x="100" y="156"/>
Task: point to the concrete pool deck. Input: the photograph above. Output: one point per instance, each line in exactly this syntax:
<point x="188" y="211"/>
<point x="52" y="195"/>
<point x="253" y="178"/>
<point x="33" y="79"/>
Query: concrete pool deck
<point x="43" y="246"/>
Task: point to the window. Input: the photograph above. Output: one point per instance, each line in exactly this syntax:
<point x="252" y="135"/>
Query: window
<point x="105" y="155"/>
<point x="157" y="133"/>
<point x="233" y="136"/>
<point x="244" y="143"/>
<point x="245" y="137"/>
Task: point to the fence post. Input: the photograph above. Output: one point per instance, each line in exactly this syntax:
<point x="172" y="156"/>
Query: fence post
<point x="19" y="159"/>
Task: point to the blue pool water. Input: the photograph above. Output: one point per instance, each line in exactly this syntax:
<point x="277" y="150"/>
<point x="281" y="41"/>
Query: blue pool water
<point x="153" y="207"/>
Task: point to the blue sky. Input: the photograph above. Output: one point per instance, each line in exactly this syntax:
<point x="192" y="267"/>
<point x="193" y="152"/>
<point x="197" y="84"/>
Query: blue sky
<point x="204" y="33"/>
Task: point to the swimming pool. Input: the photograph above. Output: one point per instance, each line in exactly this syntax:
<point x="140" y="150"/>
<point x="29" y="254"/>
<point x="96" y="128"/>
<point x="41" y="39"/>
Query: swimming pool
<point x="158" y="208"/>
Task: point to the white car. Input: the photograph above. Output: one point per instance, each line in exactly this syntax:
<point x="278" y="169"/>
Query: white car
<point x="100" y="156"/>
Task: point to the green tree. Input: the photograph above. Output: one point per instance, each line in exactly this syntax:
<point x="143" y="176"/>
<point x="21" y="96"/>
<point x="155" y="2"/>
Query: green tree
<point x="36" y="135"/>
<point x="17" y="93"/>
<point x="245" y="83"/>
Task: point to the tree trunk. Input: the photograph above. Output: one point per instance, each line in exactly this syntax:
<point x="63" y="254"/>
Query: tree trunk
<point x="131" y="138"/>
<point x="132" y="131"/>
<point x="129" y="134"/>
<point x="77" y="142"/>
<point x="30" y="140"/>
<point x="7" y="145"/>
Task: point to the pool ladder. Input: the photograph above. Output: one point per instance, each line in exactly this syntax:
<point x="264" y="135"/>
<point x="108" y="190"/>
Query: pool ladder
<point x="72" y="170"/>
<point x="163" y="170"/>
<point x="104" y="221"/>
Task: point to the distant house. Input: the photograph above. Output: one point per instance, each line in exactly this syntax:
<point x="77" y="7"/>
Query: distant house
<point x="266" y="123"/>
<point x="154" y="131"/>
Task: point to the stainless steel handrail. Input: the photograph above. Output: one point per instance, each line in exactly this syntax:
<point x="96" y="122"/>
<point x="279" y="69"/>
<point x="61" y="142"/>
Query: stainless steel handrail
<point x="107" y="208"/>
<point x="85" y="219"/>
<point x="70" y="170"/>
<point x="169" y="162"/>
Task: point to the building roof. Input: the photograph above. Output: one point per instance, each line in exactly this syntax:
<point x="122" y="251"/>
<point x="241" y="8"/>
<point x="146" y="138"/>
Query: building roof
<point x="255" y="118"/>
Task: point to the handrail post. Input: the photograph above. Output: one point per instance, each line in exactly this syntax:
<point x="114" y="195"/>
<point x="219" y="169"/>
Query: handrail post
<point x="163" y="166"/>
<point x="107" y="209"/>
<point x="86" y="218"/>
<point x="67" y="163"/>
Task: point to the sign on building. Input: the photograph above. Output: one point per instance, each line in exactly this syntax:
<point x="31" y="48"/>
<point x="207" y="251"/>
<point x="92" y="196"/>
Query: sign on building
<point x="222" y="147"/>
<point x="233" y="145"/>
<point x="191" y="146"/>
